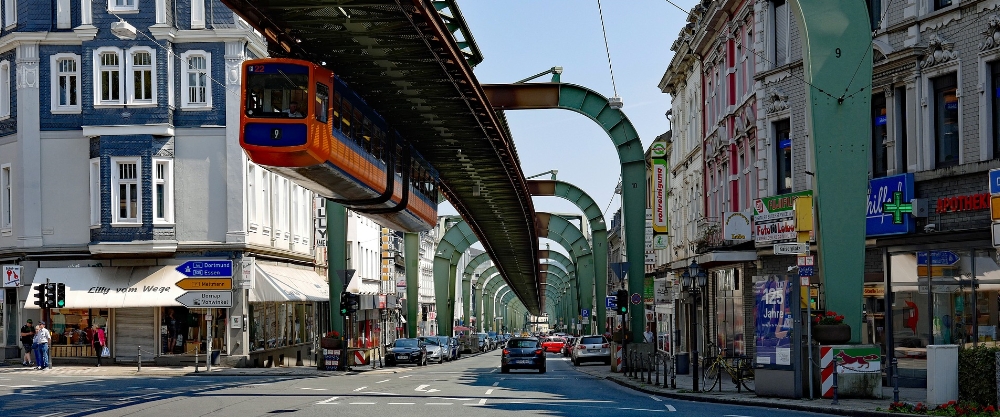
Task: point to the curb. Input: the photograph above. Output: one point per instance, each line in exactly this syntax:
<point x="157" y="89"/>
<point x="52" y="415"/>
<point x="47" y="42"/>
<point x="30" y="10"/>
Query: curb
<point x="746" y="402"/>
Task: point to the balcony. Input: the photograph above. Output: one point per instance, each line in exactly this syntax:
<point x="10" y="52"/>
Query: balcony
<point x="709" y="235"/>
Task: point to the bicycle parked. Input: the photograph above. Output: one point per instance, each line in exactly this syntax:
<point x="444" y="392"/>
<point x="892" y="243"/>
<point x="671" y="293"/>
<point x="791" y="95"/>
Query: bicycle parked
<point x="739" y="368"/>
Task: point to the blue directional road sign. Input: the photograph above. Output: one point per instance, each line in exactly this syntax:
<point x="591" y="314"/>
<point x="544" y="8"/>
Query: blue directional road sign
<point x="939" y="258"/>
<point x="584" y="313"/>
<point x="611" y="302"/>
<point x="206" y="268"/>
<point x="995" y="181"/>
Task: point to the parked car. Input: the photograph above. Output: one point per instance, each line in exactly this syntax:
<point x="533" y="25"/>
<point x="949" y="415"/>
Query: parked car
<point x="594" y="348"/>
<point x="435" y="352"/>
<point x="484" y="342"/>
<point x="407" y="351"/>
<point x="456" y="348"/>
<point x="449" y="345"/>
<point x="522" y="353"/>
<point x="568" y="346"/>
<point x="553" y="344"/>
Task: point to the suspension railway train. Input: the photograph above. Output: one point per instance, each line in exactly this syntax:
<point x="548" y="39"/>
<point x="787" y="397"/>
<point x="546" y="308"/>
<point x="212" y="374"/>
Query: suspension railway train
<point x="302" y="121"/>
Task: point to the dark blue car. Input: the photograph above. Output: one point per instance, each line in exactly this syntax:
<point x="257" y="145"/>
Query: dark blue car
<point x="522" y="353"/>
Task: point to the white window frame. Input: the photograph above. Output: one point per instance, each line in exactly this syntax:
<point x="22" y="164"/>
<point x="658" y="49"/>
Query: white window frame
<point x="63" y="19"/>
<point x="9" y="13"/>
<point x="197" y="14"/>
<point x="116" y="219"/>
<point x="167" y="217"/>
<point x="6" y="197"/>
<point x="56" y="108"/>
<point x="252" y="196"/>
<point x="5" y="90"/>
<point x="130" y="69"/>
<point x="123" y="6"/>
<point x="170" y="76"/>
<point x="265" y="185"/>
<point x="98" y="68"/>
<point x="95" y="192"/>
<point x="186" y="103"/>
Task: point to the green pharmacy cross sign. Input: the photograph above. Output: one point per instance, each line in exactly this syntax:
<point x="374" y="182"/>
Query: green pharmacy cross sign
<point x="897" y="207"/>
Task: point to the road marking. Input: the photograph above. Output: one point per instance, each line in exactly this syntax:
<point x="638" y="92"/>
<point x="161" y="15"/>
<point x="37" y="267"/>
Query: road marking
<point x="387" y="380"/>
<point x="734" y="415"/>
<point x="489" y="391"/>
<point x="315" y="389"/>
<point x="51" y="414"/>
<point x="641" y="409"/>
<point x="421" y="388"/>
<point x="89" y="399"/>
<point x="359" y="389"/>
<point x="496" y="383"/>
<point x="400" y="403"/>
<point x="328" y="400"/>
<point x="671" y="408"/>
<point x="405" y="376"/>
<point x="440" y="403"/>
<point x="35" y="380"/>
<point x="379" y="393"/>
<point x="362" y="403"/>
<point x="654" y="397"/>
<point x="482" y="401"/>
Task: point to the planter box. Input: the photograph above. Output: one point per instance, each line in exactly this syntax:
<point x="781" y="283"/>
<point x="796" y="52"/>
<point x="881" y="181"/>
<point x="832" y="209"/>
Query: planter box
<point x="330" y="343"/>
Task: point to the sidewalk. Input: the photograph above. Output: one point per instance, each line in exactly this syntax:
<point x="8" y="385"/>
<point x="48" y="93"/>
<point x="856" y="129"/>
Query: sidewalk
<point x="729" y="395"/>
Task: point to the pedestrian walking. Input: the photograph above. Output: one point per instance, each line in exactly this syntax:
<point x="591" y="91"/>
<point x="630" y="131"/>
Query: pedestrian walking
<point x="42" y="340"/>
<point x="98" y="342"/>
<point x="27" y="340"/>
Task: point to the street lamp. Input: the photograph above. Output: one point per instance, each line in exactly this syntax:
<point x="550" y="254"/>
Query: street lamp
<point x="694" y="279"/>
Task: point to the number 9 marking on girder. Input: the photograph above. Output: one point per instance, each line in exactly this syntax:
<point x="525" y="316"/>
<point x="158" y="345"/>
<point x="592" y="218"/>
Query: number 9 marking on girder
<point x="837" y="51"/>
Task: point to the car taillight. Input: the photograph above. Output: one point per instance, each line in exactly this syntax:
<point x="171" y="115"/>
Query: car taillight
<point x="538" y="351"/>
<point x="605" y="346"/>
<point x="506" y="352"/>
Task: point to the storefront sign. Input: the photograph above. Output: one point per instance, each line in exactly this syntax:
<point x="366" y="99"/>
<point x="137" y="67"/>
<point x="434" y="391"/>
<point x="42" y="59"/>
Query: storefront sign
<point x="662" y="293"/>
<point x="736" y="226"/>
<point x="659" y="191"/>
<point x="791" y="249"/>
<point x="320" y="204"/>
<point x="648" y="290"/>
<point x="889" y="207"/>
<point x="11" y="276"/>
<point x="381" y="301"/>
<point x="658" y="149"/>
<point x="247" y="272"/>
<point x="659" y="242"/>
<point x="774" y="218"/>
<point x="875" y="292"/>
<point x="857" y="360"/>
<point x="963" y="203"/>
<point x="773" y="298"/>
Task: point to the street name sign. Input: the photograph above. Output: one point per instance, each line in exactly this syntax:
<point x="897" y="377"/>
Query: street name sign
<point x="206" y="299"/>
<point x="217" y="269"/>
<point x="938" y="258"/>
<point x="205" y="284"/>
<point x="791" y="249"/>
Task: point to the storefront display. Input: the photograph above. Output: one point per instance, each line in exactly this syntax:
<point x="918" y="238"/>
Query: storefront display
<point x="280" y="324"/>
<point x="773" y="320"/>
<point x="71" y="331"/>
<point x="186" y="331"/>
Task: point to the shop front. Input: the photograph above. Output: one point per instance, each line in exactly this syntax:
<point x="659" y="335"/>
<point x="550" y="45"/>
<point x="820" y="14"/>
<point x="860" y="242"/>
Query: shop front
<point x="283" y="315"/>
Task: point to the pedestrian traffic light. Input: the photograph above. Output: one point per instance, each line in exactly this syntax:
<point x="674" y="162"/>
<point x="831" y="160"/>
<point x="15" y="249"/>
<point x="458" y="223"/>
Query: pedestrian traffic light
<point x="344" y="300"/>
<point x="40" y="295"/>
<point x="60" y="295"/>
<point x="50" y="295"/>
<point x="621" y="301"/>
<point x="353" y="301"/>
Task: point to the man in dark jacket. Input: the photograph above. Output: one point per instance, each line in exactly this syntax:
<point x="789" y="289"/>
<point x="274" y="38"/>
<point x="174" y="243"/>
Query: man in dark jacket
<point x="27" y="335"/>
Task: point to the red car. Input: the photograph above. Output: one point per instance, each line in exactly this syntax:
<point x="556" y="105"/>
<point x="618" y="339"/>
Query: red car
<point x="553" y="344"/>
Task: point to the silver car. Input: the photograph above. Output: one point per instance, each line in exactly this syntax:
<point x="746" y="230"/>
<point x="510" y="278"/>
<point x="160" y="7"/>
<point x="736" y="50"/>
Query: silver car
<point x="435" y="352"/>
<point x="593" y="348"/>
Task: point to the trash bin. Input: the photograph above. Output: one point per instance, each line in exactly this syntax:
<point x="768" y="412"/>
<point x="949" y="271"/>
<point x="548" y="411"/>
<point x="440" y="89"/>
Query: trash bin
<point x="683" y="363"/>
<point x="215" y="357"/>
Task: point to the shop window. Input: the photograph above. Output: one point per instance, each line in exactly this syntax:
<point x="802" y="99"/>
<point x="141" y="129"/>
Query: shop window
<point x="73" y="329"/>
<point x="940" y="4"/>
<point x="880" y="157"/>
<point x="946" y="143"/>
<point x="783" y="153"/>
<point x="185" y="331"/>
<point x="278" y="324"/>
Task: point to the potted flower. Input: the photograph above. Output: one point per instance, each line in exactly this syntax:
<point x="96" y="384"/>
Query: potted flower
<point x="332" y="340"/>
<point x="830" y="329"/>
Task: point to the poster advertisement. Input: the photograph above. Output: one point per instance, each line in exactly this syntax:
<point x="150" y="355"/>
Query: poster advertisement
<point x="773" y="298"/>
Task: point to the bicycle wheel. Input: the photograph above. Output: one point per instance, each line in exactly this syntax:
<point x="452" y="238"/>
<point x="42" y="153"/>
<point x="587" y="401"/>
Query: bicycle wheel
<point x="709" y="369"/>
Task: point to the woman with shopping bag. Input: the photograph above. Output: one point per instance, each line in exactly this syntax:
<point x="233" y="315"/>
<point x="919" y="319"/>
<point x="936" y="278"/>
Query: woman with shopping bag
<point x="100" y="343"/>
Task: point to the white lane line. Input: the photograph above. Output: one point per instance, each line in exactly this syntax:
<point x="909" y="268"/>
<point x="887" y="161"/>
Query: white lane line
<point x="655" y="398"/>
<point x="734" y="415"/>
<point x="89" y="399"/>
<point x="387" y="380"/>
<point x="400" y="403"/>
<point x="482" y="401"/>
<point x="496" y="383"/>
<point x="362" y="403"/>
<point x="641" y="409"/>
<point x="359" y="389"/>
<point x="35" y="380"/>
<point x="329" y="401"/>
<point x="440" y="403"/>
<point x="671" y="408"/>
<point x="489" y="391"/>
<point x="405" y="376"/>
<point x="315" y="389"/>
<point x="51" y="414"/>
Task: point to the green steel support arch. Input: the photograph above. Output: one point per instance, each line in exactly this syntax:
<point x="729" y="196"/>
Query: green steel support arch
<point x="453" y="244"/>
<point x="492" y="286"/>
<point x="484" y="278"/>
<point x="836" y="47"/>
<point x="631" y="156"/>
<point x="467" y="283"/>
<point x="336" y="258"/>
<point x="598" y="231"/>
<point x="553" y="226"/>
<point x="411" y="249"/>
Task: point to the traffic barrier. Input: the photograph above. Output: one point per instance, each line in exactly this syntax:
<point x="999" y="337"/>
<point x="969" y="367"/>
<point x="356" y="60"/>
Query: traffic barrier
<point x="618" y="358"/>
<point x="826" y="366"/>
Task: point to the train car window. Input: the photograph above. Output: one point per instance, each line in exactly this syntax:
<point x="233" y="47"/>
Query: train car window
<point x="378" y="143"/>
<point x="357" y="127"/>
<point x="399" y="160"/>
<point x="277" y="90"/>
<point x="336" y="109"/>
<point x="345" y="118"/>
<point x="322" y="102"/>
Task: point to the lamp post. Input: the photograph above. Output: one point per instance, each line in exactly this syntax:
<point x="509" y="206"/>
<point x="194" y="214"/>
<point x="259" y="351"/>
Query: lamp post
<point x="696" y="274"/>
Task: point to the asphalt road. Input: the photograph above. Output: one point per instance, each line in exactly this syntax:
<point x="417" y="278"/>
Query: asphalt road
<point x="470" y="385"/>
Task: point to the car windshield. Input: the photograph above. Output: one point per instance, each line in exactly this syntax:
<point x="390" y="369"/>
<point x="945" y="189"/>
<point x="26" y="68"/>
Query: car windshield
<point x="522" y="343"/>
<point x="430" y="341"/>
<point x="407" y="343"/>
<point x="556" y="340"/>
<point x="592" y="340"/>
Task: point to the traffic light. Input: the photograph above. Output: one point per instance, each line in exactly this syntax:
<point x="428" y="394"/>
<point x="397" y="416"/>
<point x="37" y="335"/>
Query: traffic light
<point x="40" y="295"/>
<point x="621" y="301"/>
<point x="344" y="300"/>
<point x="50" y="295"/>
<point x="60" y="295"/>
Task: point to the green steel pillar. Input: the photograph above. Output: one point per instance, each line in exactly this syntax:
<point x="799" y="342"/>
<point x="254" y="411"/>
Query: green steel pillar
<point x="336" y="260"/>
<point x="411" y="250"/>
<point x="837" y="55"/>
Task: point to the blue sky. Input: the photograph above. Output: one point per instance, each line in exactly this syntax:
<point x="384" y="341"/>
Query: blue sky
<point x="520" y="38"/>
